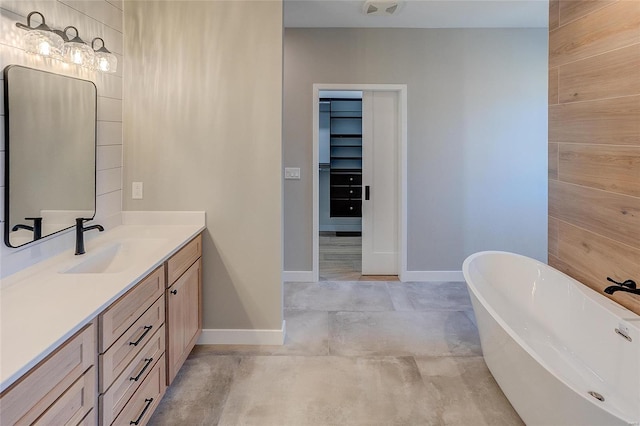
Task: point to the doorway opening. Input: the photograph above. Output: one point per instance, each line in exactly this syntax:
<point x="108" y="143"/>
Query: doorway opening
<point x="359" y="155"/>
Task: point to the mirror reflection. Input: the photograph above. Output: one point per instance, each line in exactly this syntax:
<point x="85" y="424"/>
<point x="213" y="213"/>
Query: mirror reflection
<point x="50" y="136"/>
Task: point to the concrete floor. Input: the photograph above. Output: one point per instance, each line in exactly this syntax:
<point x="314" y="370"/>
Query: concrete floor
<point x="356" y="353"/>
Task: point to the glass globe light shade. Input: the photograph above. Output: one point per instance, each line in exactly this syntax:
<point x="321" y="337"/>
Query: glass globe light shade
<point x="104" y="60"/>
<point x="77" y="51"/>
<point x="41" y="40"/>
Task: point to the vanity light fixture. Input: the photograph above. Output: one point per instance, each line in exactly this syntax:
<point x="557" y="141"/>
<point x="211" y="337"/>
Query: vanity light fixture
<point x="104" y="60"/>
<point x="41" y="39"/>
<point x="77" y="51"/>
<point x="57" y="44"/>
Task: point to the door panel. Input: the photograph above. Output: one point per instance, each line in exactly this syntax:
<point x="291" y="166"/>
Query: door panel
<point x="380" y="128"/>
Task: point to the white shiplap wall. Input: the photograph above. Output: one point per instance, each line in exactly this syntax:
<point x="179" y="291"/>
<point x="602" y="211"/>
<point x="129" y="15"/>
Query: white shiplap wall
<point x="93" y="18"/>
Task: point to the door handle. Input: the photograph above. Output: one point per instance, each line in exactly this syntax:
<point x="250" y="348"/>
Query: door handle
<point x="366" y="193"/>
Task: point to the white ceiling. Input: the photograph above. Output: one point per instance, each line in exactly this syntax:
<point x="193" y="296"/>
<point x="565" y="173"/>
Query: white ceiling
<point x="419" y="14"/>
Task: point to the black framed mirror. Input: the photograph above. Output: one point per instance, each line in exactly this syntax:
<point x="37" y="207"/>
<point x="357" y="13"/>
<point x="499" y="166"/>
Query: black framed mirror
<point x="50" y="153"/>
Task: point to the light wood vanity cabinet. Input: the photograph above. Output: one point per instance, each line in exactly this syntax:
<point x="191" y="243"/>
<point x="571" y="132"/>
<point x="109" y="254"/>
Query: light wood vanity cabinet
<point x="131" y="348"/>
<point x="146" y="336"/>
<point x="117" y="368"/>
<point x="184" y="313"/>
<point x="60" y="390"/>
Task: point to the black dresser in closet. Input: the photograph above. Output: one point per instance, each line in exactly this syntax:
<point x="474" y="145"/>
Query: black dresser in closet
<point x="345" y="157"/>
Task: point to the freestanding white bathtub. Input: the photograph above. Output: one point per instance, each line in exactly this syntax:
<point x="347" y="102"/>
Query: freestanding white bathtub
<point x="555" y="347"/>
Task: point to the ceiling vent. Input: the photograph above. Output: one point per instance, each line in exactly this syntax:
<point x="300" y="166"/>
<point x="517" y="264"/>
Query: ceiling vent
<point x="380" y="7"/>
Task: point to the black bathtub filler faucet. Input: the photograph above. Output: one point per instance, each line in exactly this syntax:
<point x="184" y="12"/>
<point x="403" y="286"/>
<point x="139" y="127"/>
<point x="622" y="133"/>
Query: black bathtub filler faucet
<point x="628" y="286"/>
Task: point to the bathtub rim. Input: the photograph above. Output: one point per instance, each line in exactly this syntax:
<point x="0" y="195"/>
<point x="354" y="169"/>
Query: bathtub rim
<point x="606" y="303"/>
<point x="611" y="306"/>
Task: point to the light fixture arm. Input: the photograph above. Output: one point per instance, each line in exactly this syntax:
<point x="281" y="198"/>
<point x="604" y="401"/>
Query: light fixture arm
<point x="43" y="26"/>
<point x="77" y="38"/>
<point x="102" y="49"/>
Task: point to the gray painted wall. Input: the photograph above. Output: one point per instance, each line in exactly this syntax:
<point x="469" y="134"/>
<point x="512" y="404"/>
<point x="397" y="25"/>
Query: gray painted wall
<point x="203" y="131"/>
<point x="477" y="134"/>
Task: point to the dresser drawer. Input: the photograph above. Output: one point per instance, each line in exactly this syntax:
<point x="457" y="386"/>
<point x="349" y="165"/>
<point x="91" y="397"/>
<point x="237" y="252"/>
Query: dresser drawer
<point x="114" y="400"/>
<point x="346" y="179"/>
<point x="346" y="208"/>
<point x="144" y="401"/>
<point x="347" y="192"/>
<point x="183" y="259"/>
<point x="28" y="398"/>
<point x="74" y="404"/>
<point x="124" y="350"/>
<point x="126" y="310"/>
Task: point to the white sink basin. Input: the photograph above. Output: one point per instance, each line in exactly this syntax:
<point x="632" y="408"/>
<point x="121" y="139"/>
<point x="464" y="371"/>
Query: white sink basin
<point x="115" y="257"/>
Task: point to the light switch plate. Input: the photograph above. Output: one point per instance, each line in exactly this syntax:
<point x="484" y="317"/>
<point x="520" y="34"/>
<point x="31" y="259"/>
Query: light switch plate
<point x="292" y="172"/>
<point x="136" y="190"/>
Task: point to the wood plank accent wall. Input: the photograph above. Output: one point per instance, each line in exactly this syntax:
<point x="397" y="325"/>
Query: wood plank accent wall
<point x="594" y="142"/>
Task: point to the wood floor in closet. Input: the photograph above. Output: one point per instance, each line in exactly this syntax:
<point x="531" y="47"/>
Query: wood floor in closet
<point x="341" y="259"/>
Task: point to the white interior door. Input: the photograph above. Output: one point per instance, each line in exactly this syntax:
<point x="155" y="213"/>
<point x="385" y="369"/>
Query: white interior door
<point x="380" y="133"/>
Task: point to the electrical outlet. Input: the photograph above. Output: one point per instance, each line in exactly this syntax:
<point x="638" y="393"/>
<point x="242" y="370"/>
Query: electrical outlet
<point x="136" y="190"/>
<point x="292" y="172"/>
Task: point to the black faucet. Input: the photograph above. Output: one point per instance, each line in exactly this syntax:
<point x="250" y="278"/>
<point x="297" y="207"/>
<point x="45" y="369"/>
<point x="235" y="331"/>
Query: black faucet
<point x="80" y="229"/>
<point x="612" y="289"/>
<point x="628" y="286"/>
<point x="36" y="228"/>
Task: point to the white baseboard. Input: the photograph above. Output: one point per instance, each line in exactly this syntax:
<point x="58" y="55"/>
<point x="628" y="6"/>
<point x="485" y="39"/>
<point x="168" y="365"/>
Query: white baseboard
<point x="307" y="276"/>
<point x="213" y="336"/>
<point x="432" y="276"/>
<point x="298" y="276"/>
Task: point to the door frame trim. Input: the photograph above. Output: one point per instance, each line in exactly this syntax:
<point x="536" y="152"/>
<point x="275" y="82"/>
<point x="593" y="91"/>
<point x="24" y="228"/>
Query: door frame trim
<point x="401" y="89"/>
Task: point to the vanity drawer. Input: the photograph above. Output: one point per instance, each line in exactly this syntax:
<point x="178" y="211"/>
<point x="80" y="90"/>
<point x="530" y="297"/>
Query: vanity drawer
<point x="126" y="310"/>
<point x="112" y="402"/>
<point x="183" y="259"/>
<point x="90" y="419"/>
<point x="72" y="407"/>
<point x="32" y="395"/>
<point x="144" y="401"/>
<point x="124" y="350"/>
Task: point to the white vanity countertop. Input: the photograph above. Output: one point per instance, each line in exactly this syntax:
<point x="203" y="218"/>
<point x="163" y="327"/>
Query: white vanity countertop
<point x="40" y="307"/>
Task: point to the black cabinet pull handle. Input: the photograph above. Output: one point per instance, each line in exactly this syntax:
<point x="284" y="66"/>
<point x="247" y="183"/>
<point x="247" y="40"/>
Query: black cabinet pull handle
<point x="149" y="361"/>
<point x="149" y="401"/>
<point x="147" y="329"/>
<point x="366" y="192"/>
<point x="174" y="291"/>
